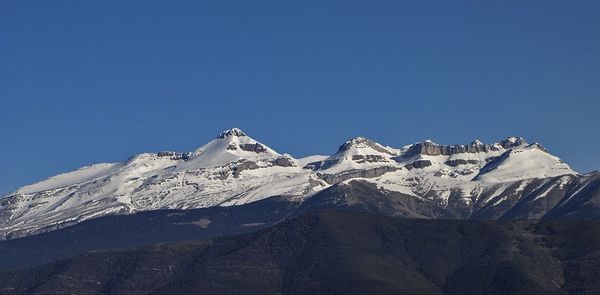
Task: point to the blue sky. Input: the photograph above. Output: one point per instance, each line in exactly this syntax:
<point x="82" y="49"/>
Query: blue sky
<point x="83" y="82"/>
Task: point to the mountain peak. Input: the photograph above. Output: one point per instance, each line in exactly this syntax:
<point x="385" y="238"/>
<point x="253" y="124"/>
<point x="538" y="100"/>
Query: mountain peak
<point x="476" y="142"/>
<point x="513" y="141"/>
<point x="232" y="132"/>
<point x="230" y="146"/>
<point x="538" y="146"/>
<point x="363" y="143"/>
<point x="355" y="142"/>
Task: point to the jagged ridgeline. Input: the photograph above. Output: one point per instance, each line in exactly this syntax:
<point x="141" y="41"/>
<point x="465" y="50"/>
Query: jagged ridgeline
<point x="509" y="179"/>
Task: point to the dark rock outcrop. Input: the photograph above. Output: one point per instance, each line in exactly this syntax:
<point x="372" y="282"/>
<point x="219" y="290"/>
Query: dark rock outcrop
<point x="513" y="142"/>
<point x="174" y="155"/>
<point x="253" y="147"/>
<point x="433" y="149"/>
<point x="418" y="164"/>
<point x="368" y="159"/>
<point x="457" y="162"/>
<point x="284" y="161"/>
<point x="360" y="173"/>
<point x="243" y="165"/>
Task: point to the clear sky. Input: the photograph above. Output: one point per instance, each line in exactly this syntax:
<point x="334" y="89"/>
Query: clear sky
<point x="83" y="82"/>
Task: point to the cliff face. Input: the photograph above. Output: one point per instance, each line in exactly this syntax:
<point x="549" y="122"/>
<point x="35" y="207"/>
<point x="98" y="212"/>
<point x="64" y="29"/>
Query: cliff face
<point x="433" y="149"/>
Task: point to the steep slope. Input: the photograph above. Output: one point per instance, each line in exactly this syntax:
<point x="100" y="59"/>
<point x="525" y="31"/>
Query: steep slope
<point x="532" y="161"/>
<point x="562" y="197"/>
<point x="583" y="201"/>
<point x="343" y="253"/>
<point x="364" y="196"/>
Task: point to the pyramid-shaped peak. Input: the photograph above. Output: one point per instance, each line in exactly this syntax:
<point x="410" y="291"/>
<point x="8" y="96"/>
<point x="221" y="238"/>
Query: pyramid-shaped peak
<point x="232" y="132"/>
<point x="230" y="146"/>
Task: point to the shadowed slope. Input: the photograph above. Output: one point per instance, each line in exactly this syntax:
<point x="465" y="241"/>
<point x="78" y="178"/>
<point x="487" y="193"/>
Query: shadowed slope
<point x="343" y="253"/>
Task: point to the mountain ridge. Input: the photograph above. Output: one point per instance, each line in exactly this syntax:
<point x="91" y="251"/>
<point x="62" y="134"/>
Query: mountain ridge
<point x="235" y="169"/>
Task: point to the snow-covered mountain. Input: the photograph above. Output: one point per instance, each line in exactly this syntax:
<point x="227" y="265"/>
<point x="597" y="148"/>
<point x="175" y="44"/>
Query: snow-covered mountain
<point x="235" y="169"/>
<point x="232" y="169"/>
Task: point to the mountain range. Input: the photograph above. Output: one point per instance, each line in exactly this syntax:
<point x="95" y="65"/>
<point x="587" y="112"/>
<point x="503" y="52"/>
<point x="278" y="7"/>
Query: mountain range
<point x="235" y="216"/>
<point x="509" y="179"/>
